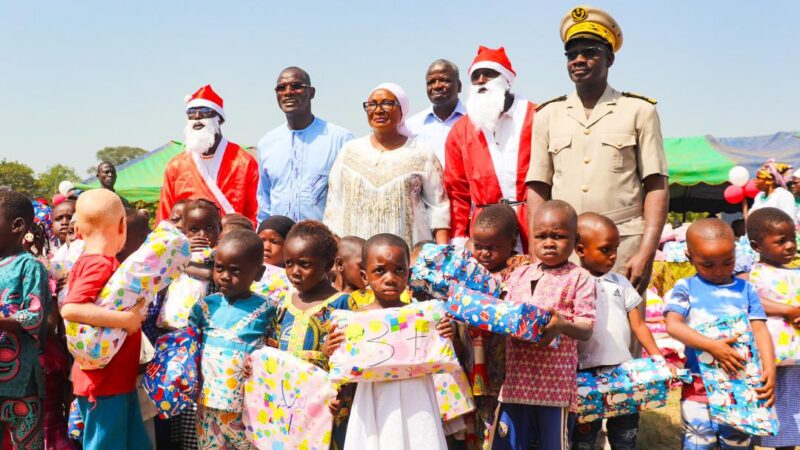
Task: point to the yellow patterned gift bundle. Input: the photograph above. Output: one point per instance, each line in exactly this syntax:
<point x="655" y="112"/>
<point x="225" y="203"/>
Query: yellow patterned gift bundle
<point x="391" y="344"/>
<point x="151" y="268"/>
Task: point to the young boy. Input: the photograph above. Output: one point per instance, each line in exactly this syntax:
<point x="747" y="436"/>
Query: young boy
<point x="616" y="316"/>
<point x="232" y="323"/>
<point x="540" y="385"/>
<point x="107" y="397"/>
<point x="710" y="294"/>
<point x="24" y="297"/>
<point x="347" y="265"/>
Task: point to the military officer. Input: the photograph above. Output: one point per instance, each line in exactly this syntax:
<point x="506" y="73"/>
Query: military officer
<point x="601" y="150"/>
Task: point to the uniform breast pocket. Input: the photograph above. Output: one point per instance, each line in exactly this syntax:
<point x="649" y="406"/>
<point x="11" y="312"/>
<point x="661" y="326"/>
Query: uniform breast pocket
<point x="317" y="189"/>
<point x="559" y="152"/>
<point x="621" y="148"/>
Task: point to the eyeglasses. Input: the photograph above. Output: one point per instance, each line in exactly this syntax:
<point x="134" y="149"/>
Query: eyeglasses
<point x="586" y="52"/>
<point x="202" y="112"/>
<point x="294" y="87"/>
<point x="385" y="106"/>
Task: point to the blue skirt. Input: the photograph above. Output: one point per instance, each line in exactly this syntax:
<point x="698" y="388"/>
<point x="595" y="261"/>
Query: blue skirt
<point x="787" y="405"/>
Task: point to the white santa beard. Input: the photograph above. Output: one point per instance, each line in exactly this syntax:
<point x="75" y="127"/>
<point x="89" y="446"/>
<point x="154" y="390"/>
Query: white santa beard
<point x="484" y="108"/>
<point x="199" y="141"/>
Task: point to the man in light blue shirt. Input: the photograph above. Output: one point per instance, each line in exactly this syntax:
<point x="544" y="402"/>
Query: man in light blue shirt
<point x="433" y="123"/>
<point x="296" y="157"/>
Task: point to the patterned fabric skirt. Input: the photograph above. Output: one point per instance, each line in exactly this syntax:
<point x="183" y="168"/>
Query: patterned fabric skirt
<point x="221" y="430"/>
<point x="788" y="407"/>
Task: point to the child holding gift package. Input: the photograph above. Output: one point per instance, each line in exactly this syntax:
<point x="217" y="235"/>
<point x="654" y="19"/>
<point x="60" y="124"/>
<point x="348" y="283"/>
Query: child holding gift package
<point x="106" y="397"/>
<point x="232" y="323"/>
<point x="711" y="294"/>
<point x="23" y="304"/>
<point x="772" y="236"/>
<point x="540" y="385"/>
<point x="616" y="316"/>
<point x="401" y="414"/>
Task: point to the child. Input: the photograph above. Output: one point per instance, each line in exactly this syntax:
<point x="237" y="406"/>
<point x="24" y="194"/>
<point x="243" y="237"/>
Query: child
<point x="232" y="323"/>
<point x="493" y="239"/>
<point x="616" y="316"/>
<point x="137" y="230"/>
<point x="235" y="221"/>
<point x="710" y="294"/>
<point x="273" y="232"/>
<point x="347" y="265"/>
<point x="772" y="235"/>
<point x="106" y="397"/>
<point x="25" y="298"/>
<point x="176" y="215"/>
<point x="540" y="387"/>
<point x="62" y="215"/>
<point x="392" y="414"/>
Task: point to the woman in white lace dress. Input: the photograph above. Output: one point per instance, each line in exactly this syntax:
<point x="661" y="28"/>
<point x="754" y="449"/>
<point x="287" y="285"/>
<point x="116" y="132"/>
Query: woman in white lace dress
<point x="388" y="181"/>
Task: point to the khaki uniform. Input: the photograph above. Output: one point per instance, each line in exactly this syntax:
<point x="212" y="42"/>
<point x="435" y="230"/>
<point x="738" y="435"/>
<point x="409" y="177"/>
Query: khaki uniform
<point x="598" y="164"/>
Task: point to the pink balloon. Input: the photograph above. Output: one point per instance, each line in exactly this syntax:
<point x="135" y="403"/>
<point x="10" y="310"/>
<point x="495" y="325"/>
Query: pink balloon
<point x="750" y="189"/>
<point x="733" y="194"/>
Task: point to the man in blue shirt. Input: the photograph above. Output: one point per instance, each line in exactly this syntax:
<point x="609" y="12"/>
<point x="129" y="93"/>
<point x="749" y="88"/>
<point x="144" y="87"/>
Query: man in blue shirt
<point x="296" y="157"/>
<point x="434" y="122"/>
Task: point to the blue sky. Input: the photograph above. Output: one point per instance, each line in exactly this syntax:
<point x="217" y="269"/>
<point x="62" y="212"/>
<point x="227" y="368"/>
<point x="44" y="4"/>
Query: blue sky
<point x="79" y="76"/>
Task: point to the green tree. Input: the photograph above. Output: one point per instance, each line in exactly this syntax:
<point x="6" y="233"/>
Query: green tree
<point x="116" y="155"/>
<point x="19" y="177"/>
<point x="50" y="179"/>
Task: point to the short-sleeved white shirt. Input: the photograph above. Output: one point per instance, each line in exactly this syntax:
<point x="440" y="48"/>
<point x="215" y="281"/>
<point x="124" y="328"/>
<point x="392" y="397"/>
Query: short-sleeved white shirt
<point x="611" y="339"/>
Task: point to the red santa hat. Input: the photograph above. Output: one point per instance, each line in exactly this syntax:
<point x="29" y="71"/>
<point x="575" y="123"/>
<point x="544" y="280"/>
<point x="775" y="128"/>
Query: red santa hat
<point x="495" y="59"/>
<point x="205" y="96"/>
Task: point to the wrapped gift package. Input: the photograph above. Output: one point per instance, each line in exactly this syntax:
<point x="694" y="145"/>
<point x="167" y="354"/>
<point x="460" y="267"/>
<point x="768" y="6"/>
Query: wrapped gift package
<point x="75" y="423"/>
<point x="286" y="403"/>
<point x="273" y="286"/>
<point x="438" y="267"/>
<point x="519" y="320"/>
<point x="391" y="344"/>
<point x="182" y="294"/>
<point x="171" y="380"/>
<point x="61" y="263"/>
<point x="161" y="258"/>
<point x="732" y="399"/>
<point x="635" y="385"/>
<point x="786" y="340"/>
<point x="453" y="394"/>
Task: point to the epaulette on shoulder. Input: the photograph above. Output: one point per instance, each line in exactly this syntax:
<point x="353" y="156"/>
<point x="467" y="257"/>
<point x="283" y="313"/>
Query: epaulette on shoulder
<point x="557" y="99"/>
<point x="640" y="97"/>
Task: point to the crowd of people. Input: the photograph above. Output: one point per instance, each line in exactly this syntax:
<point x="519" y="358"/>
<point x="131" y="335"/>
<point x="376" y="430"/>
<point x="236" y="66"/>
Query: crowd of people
<point x="563" y="202"/>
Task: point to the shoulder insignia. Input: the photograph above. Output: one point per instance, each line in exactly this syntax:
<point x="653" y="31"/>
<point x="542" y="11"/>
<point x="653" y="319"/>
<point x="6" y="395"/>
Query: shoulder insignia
<point x="557" y="99"/>
<point x="640" y="97"/>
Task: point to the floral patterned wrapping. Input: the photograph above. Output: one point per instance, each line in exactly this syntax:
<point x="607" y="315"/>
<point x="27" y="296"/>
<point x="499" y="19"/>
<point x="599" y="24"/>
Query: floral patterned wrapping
<point x="635" y="385"/>
<point x="391" y="344"/>
<point x="182" y="294"/>
<point x="171" y="379"/>
<point x="149" y="269"/>
<point x="286" y="402"/>
<point x="438" y="267"/>
<point x="782" y="286"/>
<point x="733" y="399"/>
<point x="453" y="394"/>
<point x="519" y="320"/>
<point x="675" y="252"/>
<point x="61" y="263"/>
<point x="273" y="286"/>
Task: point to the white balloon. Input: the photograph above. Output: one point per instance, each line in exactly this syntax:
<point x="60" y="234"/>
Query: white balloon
<point x="65" y="186"/>
<point x="738" y="176"/>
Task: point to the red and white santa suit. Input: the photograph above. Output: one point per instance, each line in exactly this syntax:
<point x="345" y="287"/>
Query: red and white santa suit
<point x="229" y="177"/>
<point x="484" y="167"/>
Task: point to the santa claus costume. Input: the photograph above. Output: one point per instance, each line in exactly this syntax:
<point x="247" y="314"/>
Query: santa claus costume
<point x="487" y="160"/>
<point x="228" y="177"/>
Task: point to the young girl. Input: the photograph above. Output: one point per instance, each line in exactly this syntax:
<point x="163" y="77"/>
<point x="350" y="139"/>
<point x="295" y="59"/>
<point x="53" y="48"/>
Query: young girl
<point x="772" y="235"/>
<point x="493" y="238"/>
<point x="540" y="388"/>
<point x="232" y="324"/>
<point x="392" y="414"/>
<point x="273" y="232"/>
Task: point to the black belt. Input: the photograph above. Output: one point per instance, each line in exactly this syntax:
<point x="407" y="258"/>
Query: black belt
<point x="502" y="201"/>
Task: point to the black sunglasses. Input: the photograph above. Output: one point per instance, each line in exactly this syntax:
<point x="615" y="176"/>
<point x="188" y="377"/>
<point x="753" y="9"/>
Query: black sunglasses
<point x="294" y="87"/>
<point x="586" y="52"/>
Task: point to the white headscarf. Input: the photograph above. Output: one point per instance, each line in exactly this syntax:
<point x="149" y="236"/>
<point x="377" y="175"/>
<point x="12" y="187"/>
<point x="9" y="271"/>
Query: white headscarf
<point x="402" y="98"/>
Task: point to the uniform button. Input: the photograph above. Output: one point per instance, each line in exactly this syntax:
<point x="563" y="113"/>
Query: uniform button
<point x="585" y="188"/>
<point x="587" y="131"/>
<point x="586" y="160"/>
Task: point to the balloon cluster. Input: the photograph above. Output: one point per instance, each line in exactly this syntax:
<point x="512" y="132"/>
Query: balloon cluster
<point x="741" y="186"/>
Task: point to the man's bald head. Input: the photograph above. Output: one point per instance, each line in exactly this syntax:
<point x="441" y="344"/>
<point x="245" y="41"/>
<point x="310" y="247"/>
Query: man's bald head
<point x="708" y="230"/>
<point x="296" y="71"/>
<point x="98" y="210"/>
